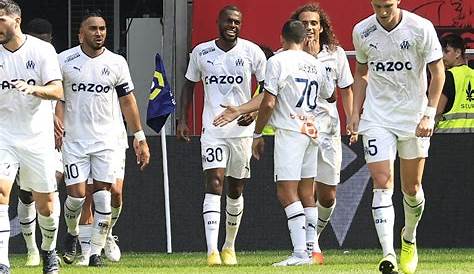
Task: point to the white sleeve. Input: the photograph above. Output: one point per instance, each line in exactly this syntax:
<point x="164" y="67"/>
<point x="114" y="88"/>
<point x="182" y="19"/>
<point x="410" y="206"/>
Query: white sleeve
<point x="344" y="75"/>
<point x="193" y="72"/>
<point x="49" y="67"/>
<point x="124" y="83"/>
<point x="259" y="64"/>
<point x="272" y="76"/>
<point x="431" y="48"/>
<point x="361" y="56"/>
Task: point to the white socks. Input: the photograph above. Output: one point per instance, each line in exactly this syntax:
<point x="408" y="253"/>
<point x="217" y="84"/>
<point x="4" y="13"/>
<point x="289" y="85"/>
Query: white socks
<point x="384" y="218"/>
<point x="102" y="219"/>
<point x="296" y="221"/>
<point x="27" y="218"/>
<point x="72" y="213"/>
<point x="211" y="213"/>
<point x="234" y="210"/>
<point x="115" y="215"/>
<point x="311" y="214"/>
<point x="413" y="207"/>
<point x="324" y="215"/>
<point x="49" y="225"/>
<point x="85" y="232"/>
<point x="4" y="234"/>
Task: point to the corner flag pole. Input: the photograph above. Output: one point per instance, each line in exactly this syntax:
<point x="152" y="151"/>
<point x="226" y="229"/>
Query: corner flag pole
<point x="166" y="191"/>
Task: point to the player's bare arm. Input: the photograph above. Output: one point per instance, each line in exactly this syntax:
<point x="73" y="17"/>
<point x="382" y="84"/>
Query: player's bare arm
<point x="182" y="130"/>
<point x="51" y="91"/>
<point x="426" y="125"/>
<point x="129" y="108"/>
<point x="360" y="85"/>
<point x="232" y="112"/>
<point x="264" y="113"/>
<point x="59" y="125"/>
<point x="347" y="101"/>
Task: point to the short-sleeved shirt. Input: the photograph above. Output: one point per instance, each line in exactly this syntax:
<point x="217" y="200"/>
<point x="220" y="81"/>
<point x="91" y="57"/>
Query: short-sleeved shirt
<point x="297" y="79"/>
<point x="227" y="80"/>
<point x="92" y="87"/>
<point x="396" y="60"/>
<point x="337" y="65"/>
<point x="22" y="115"/>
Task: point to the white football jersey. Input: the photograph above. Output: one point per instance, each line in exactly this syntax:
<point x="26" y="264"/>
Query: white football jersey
<point x="92" y="87"/>
<point x="227" y="80"/>
<point x="27" y="116"/>
<point x="396" y="60"/>
<point x="337" y="65"/>
<point x="297" y="79"/>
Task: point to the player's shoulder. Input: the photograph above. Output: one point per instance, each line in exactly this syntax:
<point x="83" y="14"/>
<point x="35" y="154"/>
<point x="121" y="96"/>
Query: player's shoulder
<point x="205" y="48"/>
<point x="113" y="57"/>
<point x="366" y="26"/>
<point x="69" y="55"/>
<point x="38" y="45"/>
<point x="415" y="21"/>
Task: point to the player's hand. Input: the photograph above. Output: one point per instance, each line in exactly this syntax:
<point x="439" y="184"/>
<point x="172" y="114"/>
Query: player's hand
<point x="58" y="127"/>
<point x="257" y="147"/>
<point x="142" y="152"/>
<point x="311" y="46"/>
<point x="246" y="119"/>
<point x="425" y="127"/>
<point x="182" y="131"/>
<point x="228" y="115"/>
<point x="352" y="128"/>
<point x="22" y="86"/>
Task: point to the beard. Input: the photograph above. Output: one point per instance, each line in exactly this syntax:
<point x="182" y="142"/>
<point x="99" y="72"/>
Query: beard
<point x="226" y="38"/>
<point x="7" y="36"/>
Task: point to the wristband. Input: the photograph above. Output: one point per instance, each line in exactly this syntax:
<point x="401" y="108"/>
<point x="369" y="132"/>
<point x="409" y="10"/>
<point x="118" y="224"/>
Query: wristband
<point x="430" y="112"/>
<point x="140" y="136"/>
<point x="257" y="135"/>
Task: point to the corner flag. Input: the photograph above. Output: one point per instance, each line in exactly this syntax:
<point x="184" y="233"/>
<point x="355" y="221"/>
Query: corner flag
<point x="161" y="101"/>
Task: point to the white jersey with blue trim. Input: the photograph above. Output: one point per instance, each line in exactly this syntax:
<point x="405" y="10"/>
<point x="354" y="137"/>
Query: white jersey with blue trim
<point x="396" y="60"/>
<point x="298" y="80"/>
<point x="92" y="87"/>
<point x="26" y="116"/>
<point x="227" y="80"/>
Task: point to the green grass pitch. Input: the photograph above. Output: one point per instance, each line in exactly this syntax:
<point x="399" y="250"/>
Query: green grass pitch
<point x="449" y="261"/>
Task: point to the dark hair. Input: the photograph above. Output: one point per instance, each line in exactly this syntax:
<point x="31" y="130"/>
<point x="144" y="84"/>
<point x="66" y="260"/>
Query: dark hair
<point x="293" y="31"/>
<point x="267" y="51"/>
<point x="327" y="37"/>
<point x="455" y="41"/>
<point x="10" y="7"/>
<point x="94" y="13"/>
<point x="39" y="26"/>
<point x="228" y="8"/>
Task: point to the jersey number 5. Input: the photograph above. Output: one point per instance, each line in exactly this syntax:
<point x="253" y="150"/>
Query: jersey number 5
<point x="308" y="93"/>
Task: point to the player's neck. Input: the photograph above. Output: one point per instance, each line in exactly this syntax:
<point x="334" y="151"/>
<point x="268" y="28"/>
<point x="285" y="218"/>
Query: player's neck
<point x="292" y="46"/>
<point x="393" y="23"/>
<point x="16" y="42"/>
<point x="92" y="53"/>
<point x="225" y="45"/>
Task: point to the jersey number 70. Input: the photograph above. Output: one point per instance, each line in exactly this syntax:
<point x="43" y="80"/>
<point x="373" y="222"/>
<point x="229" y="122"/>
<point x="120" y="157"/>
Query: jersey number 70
<point x="308" y="93"/>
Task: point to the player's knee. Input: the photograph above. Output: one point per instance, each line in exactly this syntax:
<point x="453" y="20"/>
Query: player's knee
<point x="327" y="202"/>
<point x="214" y="185"/>
<point x="307" y="199"/>
<point x="25" y="197"/>
<point x="411" y="189"/>
<point x="381" y="178"/>
<point x="45" y="209"/>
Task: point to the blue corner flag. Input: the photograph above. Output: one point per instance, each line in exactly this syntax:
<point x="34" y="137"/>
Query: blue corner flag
<point x="161" y="101"/>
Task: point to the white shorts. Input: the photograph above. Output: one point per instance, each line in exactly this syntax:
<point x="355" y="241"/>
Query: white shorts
<point x="295" y="156"/>
<point x="37" y="172"/>
<point x="329" y="159"/>
<point x="81" y="161"/>
<point x="381" y="144"/>
<point x="58" y="156"/>
<point x="120" y="163"/>
<point x="233" y="154"/>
